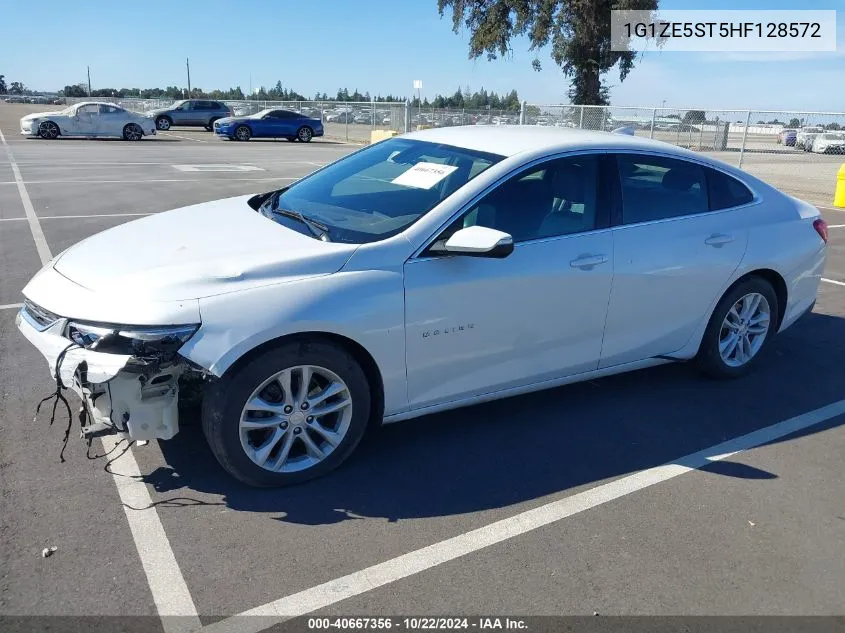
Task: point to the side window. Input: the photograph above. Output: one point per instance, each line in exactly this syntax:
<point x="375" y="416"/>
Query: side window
<point x="554" y="198"/>
<point x="88" y="109"/>
<point x="107" y="109"/>
<point x="726" y="192"/>
<point x="189" y="105"/>
<point x="656" y="188"/>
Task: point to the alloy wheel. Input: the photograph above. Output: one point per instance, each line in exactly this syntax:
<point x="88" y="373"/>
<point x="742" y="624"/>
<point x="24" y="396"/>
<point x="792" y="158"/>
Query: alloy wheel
<point x="744" y="329"/>
<point x="295" y="419"/>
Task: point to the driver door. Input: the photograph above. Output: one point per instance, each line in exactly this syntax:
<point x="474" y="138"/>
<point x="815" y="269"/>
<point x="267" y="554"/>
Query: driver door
<point x="476" y="325"/>
<point x="87" y="120"/>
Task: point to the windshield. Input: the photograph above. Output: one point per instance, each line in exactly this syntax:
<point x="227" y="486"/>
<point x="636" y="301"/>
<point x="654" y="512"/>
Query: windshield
<point x="383" y="189"/>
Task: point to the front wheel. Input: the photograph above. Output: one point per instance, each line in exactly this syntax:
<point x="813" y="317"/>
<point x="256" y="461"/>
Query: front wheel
<point x="741" y="327"/>
<point x="242" y="133"/>
<point x="305" y="134"/>
<point x="132" y="132"/>
<point x="48" y="130"/>
<point x="292" y="414"/>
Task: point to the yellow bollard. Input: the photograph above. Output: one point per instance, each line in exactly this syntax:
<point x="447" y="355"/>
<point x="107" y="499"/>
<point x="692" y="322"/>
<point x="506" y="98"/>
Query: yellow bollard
<point x="839" y="196"/>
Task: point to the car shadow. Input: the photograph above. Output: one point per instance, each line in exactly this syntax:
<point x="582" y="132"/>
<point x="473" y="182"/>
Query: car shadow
<point x="524" y="448"/>
<point x="110" y="139"/>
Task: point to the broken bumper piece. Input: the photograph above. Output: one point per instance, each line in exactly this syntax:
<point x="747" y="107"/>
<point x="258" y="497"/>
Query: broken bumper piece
<point x="134" y="397"/>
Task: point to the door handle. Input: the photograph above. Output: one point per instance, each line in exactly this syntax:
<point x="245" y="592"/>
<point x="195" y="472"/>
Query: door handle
<point x="586" y="262"/>
<point x="718" y="240"/>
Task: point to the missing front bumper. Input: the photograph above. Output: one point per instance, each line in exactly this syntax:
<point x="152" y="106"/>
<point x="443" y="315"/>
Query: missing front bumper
<point x="137" y="401"/>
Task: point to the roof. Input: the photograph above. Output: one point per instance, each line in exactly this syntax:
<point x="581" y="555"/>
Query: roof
<point x="509" y="140"/>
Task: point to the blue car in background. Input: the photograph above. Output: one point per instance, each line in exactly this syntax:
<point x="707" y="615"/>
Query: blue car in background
<point x="270" y="123"/>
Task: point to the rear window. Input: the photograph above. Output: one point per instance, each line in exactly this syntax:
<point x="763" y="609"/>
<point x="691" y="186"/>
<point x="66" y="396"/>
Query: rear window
<point x="726" y="192"/>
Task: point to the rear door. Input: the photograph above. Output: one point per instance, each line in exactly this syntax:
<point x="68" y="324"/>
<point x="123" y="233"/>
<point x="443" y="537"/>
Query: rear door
<point x="677" y="244"/>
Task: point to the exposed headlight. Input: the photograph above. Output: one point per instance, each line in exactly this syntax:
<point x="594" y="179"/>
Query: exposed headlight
<point x="127" y="339"/>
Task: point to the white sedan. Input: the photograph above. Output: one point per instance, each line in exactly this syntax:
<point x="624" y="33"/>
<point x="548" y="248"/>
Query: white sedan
<point x="430" y="271"/>
<point x="829" y="142"/>
<point x="91" y="118"/>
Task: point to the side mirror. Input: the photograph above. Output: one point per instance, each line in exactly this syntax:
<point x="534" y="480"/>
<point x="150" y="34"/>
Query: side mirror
<point x="479" y="241"/>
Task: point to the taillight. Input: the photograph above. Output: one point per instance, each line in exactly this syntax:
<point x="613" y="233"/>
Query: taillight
<point x="821" y="228"/>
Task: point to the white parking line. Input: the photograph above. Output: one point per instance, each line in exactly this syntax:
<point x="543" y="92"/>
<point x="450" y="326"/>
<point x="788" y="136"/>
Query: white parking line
<point x="833" y="281"/>
<point x="11" y="306"/>
<point x="423" y="559"/>
<point x="186" y="138"/>
<point x="76" y="217"/>
<point x="169" y="591"/>
<point x="29" y="210"/>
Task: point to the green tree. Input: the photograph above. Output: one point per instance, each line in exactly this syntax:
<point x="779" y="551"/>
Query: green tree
<point x="695" y="116"/>
<point x="577" y="30"/>
<point x="794" y="122"/>
<point x="16" y="88"/>
<point x="3" y="85"/>
<point x="74" y="91"/>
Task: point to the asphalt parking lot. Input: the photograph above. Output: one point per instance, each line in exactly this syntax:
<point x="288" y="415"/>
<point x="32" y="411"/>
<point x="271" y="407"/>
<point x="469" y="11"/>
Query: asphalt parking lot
<point x="625" y="498"/>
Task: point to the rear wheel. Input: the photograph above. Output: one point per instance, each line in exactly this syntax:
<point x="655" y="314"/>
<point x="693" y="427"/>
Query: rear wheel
<point x="163" y="123"/>
<point x="242" y="133"/>
<point x="132" y="132"/>
<point x="210" y="126"/>
<point x="305" y="134"/>
<point x="48" y="130"/>
<point x="292" y="414"/>
<point x="740" y="329"/>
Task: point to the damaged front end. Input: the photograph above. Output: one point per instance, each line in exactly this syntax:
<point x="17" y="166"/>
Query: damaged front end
<point x="127" y="376"/>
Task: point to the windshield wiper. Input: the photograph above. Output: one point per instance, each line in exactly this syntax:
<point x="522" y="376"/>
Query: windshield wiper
<point x="318" y="229"/>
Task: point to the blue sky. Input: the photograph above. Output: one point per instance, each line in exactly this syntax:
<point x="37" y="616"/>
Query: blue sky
<point x="380" y="46"/>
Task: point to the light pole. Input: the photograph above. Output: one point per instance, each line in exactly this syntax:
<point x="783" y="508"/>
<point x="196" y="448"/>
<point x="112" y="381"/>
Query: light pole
<point x="418" y="88"/>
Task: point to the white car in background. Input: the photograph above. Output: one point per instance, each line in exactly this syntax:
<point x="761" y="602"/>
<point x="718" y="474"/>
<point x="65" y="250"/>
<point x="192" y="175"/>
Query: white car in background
<point x="90" y="118"/>
<point x="430" y="271"/>
<point x="806" y="136"/>
<point x="829" y="142"/>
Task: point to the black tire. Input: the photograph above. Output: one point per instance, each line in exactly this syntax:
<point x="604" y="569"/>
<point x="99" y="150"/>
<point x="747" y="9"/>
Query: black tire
<point x="709" y="360"/>
<point x="48" y="130"/>
<point x="132" y="132"/>
<point x="224" y="401"/>
<point x="305" y="134"/>
<point x="210" y="126"/>
<point x="164" y="123"/>
<point x="242" y="133"/>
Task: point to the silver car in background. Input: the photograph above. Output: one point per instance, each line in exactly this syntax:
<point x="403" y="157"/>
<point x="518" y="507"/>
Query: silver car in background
<point x="190" y="112"/>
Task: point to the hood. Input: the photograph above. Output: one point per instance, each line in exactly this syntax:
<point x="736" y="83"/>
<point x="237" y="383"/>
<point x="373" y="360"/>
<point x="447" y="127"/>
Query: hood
<point x="232" y="119"/>
<point x="38" y="115"/>
<point x="196" y="252"/>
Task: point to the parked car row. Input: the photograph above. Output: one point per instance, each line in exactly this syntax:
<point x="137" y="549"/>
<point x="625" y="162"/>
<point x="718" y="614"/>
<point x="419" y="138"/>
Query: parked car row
<point x="813" y="139"/>
<point x="102" y="119"/>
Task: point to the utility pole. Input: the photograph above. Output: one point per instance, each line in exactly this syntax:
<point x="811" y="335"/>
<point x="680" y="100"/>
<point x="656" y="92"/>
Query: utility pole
<point x="188" y="66"/>
<point x="89" y="81"/>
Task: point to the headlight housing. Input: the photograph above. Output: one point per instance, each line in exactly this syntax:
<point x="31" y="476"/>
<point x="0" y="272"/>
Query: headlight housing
<point x="129" y="339"/>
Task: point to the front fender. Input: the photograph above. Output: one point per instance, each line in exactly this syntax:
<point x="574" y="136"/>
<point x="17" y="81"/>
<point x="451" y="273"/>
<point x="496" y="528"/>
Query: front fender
<point x="364" y="306"/>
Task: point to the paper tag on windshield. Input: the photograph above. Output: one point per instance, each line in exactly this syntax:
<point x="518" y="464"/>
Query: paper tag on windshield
<point x="423" y="175"/>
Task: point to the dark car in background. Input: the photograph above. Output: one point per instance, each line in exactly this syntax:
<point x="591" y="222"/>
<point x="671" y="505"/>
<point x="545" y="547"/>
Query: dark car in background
<point x="788" y="137"/>
<point x="270" y="123"/>
<point x="190" y="112"/>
